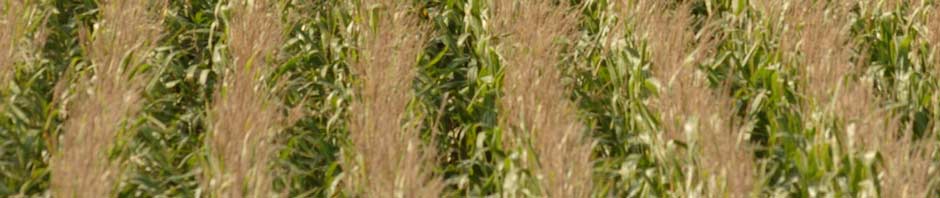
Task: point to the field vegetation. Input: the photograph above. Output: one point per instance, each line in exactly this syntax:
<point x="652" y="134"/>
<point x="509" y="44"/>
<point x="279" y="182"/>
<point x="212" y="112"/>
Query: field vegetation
<point x="469" y="98"/>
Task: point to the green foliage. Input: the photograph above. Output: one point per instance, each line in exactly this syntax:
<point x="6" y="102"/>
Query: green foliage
<point x="896" y="54"/>
<point x="612" y="84"/>
<point x="166" y="151"/>
<point x="317" y="78"/>
<point x="457" y="87"/>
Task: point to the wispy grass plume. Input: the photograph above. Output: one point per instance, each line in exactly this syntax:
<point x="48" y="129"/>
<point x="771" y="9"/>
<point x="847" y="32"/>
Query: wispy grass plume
<point x="7" y="32"/>
<point x="12" y="28"/>
<point x="908" y="165"/>
<point x="689" y="106"/>
<point x="726" y="157"/>
<point x="905" y="170"/>
<point x="121" y="40"/>
<point x="822" y="39"/>
<point x="243" y="114"/>
<point x="670" y="39"/>
<point x="390" y="160"/>
<point x="535" y="102"/>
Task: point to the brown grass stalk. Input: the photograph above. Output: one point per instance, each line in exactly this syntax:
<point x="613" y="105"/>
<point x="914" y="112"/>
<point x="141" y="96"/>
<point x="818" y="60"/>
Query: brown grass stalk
<point x="535" y="99"/>
<point x="243" y="115"/>
<point x="391" y="159"/>
<point x="11" y="29"/>
<point x="82" y="168"/>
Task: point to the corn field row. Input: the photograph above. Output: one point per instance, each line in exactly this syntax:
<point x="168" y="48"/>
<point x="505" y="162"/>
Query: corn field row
<point x="469" y="98"/>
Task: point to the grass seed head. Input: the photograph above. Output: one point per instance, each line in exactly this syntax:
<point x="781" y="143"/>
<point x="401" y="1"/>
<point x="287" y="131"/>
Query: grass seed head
<point x="395" y="162"/>
<point x="244" y="116"/>
<point x="818" y="33"/>
<point x="125" y="34"/>
<point x="535" y="99"/>
<point x="13" y="29"/>
<point x="7" y="31"/>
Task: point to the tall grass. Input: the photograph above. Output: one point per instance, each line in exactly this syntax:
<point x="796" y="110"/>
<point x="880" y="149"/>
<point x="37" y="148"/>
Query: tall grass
<point x="390" y="159"/>
<point x="724" y="158"/>
<point x="678" y="79"/>
<point x="907" y="168"/>
<point x="537" y="110"/>
<point x="824" y="41"/>
<point x="244" y="116"/>
<point x="8" y="34"/>
<point x="22" y="34"/>
<point x="82" y="166"/>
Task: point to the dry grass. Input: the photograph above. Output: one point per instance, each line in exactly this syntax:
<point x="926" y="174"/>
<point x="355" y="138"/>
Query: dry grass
<point x="535" y="98"/>
<point x="6" y="34"/>
<point x="725" y="156"/>
<point x="244" y="117"/>
<point x="9" y="30"/>
<point x="670" y="41"/>
<point x="394" y="162"/>
<point x="824" y="44"/>
<point x="905" y="171"/>
<point x="865" y="120"/>
<point x="82" y="167"/>
<point x="907" y="165"/>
